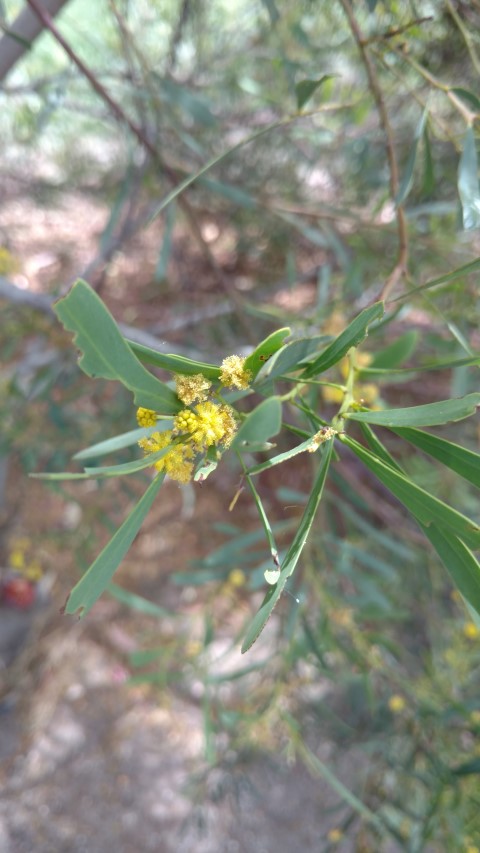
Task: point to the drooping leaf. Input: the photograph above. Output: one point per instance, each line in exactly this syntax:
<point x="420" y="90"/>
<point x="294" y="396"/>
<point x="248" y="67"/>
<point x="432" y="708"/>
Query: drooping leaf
<point x="281" y="457"/>
<point x="264" y="350"/>
<point x="460" y="563"/>
<point x="264" y="422"/>
<point x="293" y="554"/>
<point x="407" y="180"/>
<point x="107" y="471"/>
<point x="137" y="602"/>
<point x="431" y="414"/>
<point x="96" y="579"/>
<point x="396" y="353"/>
<point x="306" y="88"/>
<point x="105" y="352"/>
<point x="468" y="184"/>
<point x="425" y="507"/>
<point x="464" y="462"/>
<point x="353" y="335"/>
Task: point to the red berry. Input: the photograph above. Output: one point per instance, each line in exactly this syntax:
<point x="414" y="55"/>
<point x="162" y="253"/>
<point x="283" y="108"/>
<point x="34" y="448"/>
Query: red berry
<point x="17" y="592"/>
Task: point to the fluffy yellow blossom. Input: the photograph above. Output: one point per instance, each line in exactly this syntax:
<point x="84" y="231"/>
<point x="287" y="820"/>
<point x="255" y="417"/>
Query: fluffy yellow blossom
<point x="146" y="417"/>
<point x="397" y="704"/>
<point x="230" y="424"/>
<point x="177" y="463"/>
<point x="471" y="631"/>
<point x="334" y="835"/>
<point x="472" y="848"/>
<point x="236" y="578"/>
<point x="209" y="424"/>
<point x="475" y="718"/>
<point x="233" y="373"/>
<point x="191" y="389"/>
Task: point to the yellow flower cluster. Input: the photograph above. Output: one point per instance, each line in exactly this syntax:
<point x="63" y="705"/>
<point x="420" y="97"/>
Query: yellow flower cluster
<point x="177" y="463"/>
<point x="208" y="424"/>
<point x="233" y="373"/>
<point x="192" y="389"/>
<point x="397" y="704"/>
<point x="20" y="562"/>
<point x="146" y="417"/>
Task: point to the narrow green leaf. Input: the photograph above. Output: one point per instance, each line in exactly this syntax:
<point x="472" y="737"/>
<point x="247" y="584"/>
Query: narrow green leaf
<point x="166" y="248"/>
<point x="265" y="350"/>
<point x="119" y="442"/>
<point x="293" y="554"/>
<point x="306" y="88"/>
<point x="105" y="351"/>
<point x="174" y="363"/>
<point x="396" y="353"/>
<point x="137" y="602"/>
<point x="466" y="269"/>
<point x="407" y="180"/>
<point x="468" y="185"/>
<point x="353" y="335"/>
<point x="428" y="165"/>
<point x="458" y="560"/>
<point x="288" y="358"/>
<point x="431" y="414"/>
<point x="425" y="507"/>
<point x="102" y="473"/>
<point x="94" y="582"/>
<point x="468" y="96"/>
<point x="464" y="462"/>
<point x="281" y="457"/>
<point x="271" y="575"/>
<point x="264" y="422"/>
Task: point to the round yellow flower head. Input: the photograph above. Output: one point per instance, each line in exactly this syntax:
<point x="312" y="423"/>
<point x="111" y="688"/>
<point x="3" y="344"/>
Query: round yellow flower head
<point x="335" y="835"/>
<point x="396" y="704"/>
<point x="191" y="389"/>
<point x="185" y="421"/>
<point x="471" y="631"/>
<point x="146" y="417"/>
<point x="233" y="373"/>
<point x="210" y="428"/>
<point x="177" y="463"/>
<point x="237" y="578"/>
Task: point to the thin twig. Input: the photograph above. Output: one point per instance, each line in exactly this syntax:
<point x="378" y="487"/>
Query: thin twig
<point x="400" y="268"/>
<point x="145" y="142"/>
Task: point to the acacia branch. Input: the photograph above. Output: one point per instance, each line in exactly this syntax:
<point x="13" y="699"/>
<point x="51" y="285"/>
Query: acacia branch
<point x="121" y="116"/>
<point x="400" y="268"/>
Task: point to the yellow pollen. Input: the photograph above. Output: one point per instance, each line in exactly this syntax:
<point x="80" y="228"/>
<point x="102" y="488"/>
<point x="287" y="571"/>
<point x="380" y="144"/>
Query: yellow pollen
<point x="233" y="373"/>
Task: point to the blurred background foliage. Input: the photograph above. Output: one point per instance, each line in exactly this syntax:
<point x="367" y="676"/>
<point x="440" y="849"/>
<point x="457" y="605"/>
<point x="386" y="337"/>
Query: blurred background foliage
<point x="370" y="651"/>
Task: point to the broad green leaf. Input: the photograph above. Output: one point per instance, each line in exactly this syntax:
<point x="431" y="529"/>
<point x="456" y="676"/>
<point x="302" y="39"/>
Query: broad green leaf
<point x="407" y="180"/>
<point x="466" y="269"/>
<point x="106" y="353"/>
<point x="395" y="353"/>
<point x="94" y="582"/>
<point x="288" y="358"/>
<point x="306" y="88"/>
<point x="468" y="185"/>
<point x="458" y="560"/>
<point x="137" y="602"/>
<point x="425" y="507"/>
<point x="174" y="363"/>
<point x="293" y="554"/>
<point x="353" y="335"/>
<point x="265" y="350"/>
<point x="464" y="462"/>
<point x="261" y="424"/>
<point x="119" y="442"/>
<point x="432" y="414"/>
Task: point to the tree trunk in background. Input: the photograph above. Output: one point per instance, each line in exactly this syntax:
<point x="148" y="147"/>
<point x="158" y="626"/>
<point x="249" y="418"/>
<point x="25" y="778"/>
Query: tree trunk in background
<point x="27" y="27"/>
